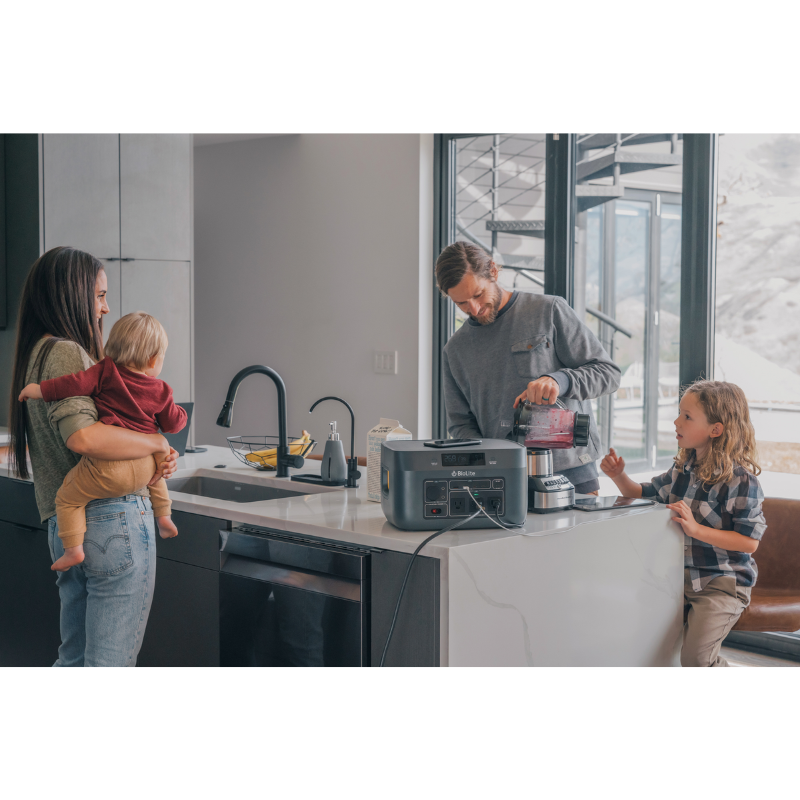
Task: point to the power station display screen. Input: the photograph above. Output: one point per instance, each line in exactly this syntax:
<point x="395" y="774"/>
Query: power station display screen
<point x="464" y="460"/>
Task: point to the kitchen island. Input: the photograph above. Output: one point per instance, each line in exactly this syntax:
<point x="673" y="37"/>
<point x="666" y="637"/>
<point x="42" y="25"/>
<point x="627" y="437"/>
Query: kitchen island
<point x="578" y="588"/>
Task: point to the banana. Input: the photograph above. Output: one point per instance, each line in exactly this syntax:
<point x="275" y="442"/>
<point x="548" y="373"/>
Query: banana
<point x="268" y="459"/>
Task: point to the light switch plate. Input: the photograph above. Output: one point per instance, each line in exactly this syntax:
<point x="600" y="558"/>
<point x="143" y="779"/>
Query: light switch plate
<point x="384" y="362"/>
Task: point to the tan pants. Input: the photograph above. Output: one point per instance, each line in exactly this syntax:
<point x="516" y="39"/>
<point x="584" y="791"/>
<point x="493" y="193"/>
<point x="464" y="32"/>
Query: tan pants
<point x="93" y="479"/>
<point x="709" y="616"/>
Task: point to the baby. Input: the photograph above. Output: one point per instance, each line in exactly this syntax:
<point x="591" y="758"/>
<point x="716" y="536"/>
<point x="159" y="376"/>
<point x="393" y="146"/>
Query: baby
<point x="127" y="393"/>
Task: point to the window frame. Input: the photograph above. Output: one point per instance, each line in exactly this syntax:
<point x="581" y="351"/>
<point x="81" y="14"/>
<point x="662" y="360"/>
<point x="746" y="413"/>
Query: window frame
<point x="698" y="247"/>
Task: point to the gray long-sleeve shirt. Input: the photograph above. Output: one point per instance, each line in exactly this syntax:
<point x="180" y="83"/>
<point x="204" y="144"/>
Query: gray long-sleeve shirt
<point x="486" y="367"/>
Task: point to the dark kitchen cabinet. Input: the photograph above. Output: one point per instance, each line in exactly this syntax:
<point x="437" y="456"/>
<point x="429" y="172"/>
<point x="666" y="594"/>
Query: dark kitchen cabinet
<point x="415" y="641"/>
<point x="29" y="622"/>
<point x="197" y="542"/>
<point x="183" y="628"/>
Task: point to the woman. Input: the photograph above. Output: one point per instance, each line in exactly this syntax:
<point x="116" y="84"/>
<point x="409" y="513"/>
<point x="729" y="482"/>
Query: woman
<point x="105" y="601"/>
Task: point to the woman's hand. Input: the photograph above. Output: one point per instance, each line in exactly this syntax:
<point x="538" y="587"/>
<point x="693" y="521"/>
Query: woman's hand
<point x="613" y="465"/>
<point x="685" y="518"/>
<point x="165" y="467"/>
<point x="31" y="392"/>
<point x="542" y="391"/>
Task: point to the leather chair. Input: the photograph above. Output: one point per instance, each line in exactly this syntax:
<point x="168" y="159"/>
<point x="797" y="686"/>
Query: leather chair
<point x="775" y="599"/>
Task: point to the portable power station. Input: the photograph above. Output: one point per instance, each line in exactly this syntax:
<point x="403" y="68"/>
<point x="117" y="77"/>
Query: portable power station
<point x="426" y="484"/>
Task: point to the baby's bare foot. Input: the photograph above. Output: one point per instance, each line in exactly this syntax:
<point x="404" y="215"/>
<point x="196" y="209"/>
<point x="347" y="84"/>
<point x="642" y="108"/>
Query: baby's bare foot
<point x="71" y="557"/>
<point x="166" y="527"/>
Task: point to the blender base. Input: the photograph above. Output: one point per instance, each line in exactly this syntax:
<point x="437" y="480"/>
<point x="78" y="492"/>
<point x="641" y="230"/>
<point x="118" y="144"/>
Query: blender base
<point x="550" y="493"/>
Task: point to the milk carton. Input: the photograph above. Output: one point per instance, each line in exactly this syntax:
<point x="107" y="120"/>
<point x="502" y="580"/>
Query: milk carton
<point x="384" y="431"/>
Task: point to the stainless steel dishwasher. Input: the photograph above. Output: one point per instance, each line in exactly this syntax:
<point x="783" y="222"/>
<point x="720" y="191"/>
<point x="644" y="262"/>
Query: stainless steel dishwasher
<point x="291" y="601"/>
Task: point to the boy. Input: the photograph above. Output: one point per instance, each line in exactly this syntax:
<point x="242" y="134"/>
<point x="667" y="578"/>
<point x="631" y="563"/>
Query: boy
<point x="127" y="392"/>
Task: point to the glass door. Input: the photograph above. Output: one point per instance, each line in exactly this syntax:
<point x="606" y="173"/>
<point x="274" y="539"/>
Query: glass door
<point x="627" y="283"/>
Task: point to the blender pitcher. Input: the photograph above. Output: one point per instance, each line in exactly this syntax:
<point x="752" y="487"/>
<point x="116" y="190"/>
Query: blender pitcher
<point x="540" y="427"/>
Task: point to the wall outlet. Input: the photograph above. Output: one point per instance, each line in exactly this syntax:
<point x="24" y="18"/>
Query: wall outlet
<point x="385" y="362"/>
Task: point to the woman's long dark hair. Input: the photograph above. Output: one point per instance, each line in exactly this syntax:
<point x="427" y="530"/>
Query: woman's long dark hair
<point x="58" y="299"/>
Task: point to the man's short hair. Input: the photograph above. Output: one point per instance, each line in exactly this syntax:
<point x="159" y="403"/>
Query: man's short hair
<point x="458" y="258"/>
<point x="135" y="339"/>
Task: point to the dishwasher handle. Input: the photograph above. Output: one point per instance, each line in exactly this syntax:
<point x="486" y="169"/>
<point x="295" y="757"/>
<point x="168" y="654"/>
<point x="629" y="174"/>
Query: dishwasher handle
<point x="243" y="567"/>
<point x="295" y="554"/>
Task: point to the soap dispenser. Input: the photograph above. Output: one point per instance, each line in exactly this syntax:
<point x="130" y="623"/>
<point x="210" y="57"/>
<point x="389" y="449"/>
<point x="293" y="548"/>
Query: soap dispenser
<point x="334" y="465"/>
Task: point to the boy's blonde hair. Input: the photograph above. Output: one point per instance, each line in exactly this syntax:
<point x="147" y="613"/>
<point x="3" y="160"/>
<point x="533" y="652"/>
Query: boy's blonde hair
<point x="135" y="339"/>
<point x="725" y="403"/>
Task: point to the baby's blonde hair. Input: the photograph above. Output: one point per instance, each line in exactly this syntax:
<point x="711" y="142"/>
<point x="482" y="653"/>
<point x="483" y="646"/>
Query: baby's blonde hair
<point x="135" y="339"/>
<point x="725" y="403"/>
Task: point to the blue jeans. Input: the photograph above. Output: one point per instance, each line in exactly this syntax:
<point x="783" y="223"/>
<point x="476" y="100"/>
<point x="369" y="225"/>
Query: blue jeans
<point x="105" y="601"/>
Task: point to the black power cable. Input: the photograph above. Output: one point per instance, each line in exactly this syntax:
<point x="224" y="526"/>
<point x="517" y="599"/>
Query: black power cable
<point x="447" y="529"/>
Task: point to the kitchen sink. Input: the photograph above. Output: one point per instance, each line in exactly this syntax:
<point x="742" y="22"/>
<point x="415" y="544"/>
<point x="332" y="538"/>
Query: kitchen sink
<point x="220" y="489"/>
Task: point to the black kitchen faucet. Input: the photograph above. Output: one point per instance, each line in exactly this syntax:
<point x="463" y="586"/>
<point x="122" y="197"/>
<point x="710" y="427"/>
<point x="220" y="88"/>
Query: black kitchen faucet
<point x="226" y="415"/>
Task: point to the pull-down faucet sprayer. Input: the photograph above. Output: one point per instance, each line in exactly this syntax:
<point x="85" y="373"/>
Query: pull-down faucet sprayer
<point x="226" y="415"/>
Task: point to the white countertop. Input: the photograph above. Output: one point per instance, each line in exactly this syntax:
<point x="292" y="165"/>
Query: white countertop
<point x="346" y="514"/>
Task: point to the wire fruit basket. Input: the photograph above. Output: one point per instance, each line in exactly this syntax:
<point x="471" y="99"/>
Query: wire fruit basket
<point x="261" y="452"/>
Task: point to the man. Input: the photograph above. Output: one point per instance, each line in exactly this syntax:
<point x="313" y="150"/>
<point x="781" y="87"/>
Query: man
<point x="517" y="346"/>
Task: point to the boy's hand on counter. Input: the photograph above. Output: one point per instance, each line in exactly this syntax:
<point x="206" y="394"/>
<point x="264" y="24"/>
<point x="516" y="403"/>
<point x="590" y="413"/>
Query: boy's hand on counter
<point x="166" y="467"/>
<point x="31" y="392"/>
<point x="613" y="465"/>
<point x="685" y="517"/>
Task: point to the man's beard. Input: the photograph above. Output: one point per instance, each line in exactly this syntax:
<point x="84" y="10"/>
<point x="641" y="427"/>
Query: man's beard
<point x="493" y="307"/>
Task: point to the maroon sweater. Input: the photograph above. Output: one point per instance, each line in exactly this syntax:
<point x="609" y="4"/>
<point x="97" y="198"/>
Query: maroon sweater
<point x="123" y="398"/>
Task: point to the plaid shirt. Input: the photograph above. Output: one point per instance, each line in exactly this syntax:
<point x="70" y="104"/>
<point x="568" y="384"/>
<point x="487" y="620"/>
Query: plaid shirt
<point x="733" y="506"/>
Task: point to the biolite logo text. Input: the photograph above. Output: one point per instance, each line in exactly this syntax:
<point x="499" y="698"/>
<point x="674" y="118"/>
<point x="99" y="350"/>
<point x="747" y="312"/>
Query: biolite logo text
<point x="462" y="473"/>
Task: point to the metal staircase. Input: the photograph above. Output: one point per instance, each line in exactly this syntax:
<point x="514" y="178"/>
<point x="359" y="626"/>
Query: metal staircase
<point x="614" y="161"/>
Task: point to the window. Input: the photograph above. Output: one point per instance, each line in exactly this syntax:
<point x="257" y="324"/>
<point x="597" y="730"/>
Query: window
<point x="626" y="274"/>
<point x="757" y="325"/>
<point x="498" y="203"/>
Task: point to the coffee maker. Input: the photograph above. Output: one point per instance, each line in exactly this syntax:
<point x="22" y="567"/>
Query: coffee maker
<point x="542" y="429"/>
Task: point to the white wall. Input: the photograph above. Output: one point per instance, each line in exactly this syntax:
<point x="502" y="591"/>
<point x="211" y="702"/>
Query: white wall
<point x="311" y="251"/>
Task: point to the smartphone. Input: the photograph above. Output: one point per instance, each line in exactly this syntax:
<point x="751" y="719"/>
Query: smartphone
<point x="453" y="443"/>
<point x="610" y="503"/>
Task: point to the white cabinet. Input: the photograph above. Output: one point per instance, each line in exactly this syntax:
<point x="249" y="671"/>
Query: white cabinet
<point x="163" y="289"/>
<point x="127" y="199"/>
<point x="155" y="203"/>
<point x="81" y="192"/>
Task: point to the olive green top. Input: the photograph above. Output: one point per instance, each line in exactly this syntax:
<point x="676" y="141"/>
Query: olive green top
<point x="49" y="425"/>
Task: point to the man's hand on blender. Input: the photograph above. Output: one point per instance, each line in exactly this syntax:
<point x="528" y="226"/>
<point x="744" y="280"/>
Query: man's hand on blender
<point x="542" y="391"/>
